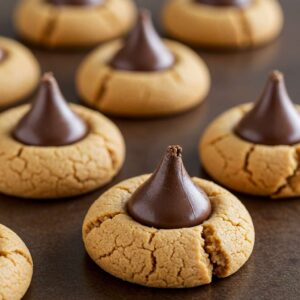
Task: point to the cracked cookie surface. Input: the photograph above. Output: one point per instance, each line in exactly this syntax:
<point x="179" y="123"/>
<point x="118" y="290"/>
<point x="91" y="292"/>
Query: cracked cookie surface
<point x="23" y="70"/>
<point x="54" y="172"/>
<point x="247" y="167"/>
<point x="69" y="26"/>
<point x="230" y="27"/>
<point x="16" y="265"/>
<point x="135" y="94"/>
<point x="168" y="258"/>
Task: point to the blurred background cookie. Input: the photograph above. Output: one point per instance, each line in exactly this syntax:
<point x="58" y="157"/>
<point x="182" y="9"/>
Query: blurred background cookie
<point x="19" y="71"/>
<point x="143" y="76"/>
<point x="73" y="23"/>
<point x="233" y="24"/>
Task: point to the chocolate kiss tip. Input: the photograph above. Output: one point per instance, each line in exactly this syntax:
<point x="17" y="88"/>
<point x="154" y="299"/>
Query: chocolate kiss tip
<point x="174" y="150"/>
<point x="276" y="76"/>
<point x="143" y="50"/>
<point x="169" y="199"/>
<point x="50" y="121"/>
<point x="273" y="120"/>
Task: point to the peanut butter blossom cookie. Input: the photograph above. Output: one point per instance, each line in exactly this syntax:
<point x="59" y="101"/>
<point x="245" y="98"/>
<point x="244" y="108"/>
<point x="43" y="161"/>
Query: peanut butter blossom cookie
<point x="51" y="149"/>
<point x="19" y="71"/>
<point x="168" y="230"/>
<point x="143" y="75"/>
<point x="254" y="148"/>
<point x="234" y="24"/>
<point x="16" y="265"/>
<point x="73" y="23"/>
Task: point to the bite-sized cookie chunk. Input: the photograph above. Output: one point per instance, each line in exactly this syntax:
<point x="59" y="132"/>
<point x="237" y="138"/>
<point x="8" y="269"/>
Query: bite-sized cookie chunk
<point x="254" y="148"/>
<point x="234" y="24"/>
<point x="51" y="149"/>
<point x="168" y="230"/>
<point x="19" y="71"/>
<point x="73" y="23"/>
<point x="16" y="265"/>
<point x="143" y="76"/>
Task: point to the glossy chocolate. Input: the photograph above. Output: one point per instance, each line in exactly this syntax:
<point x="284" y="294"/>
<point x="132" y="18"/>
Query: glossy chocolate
<point x="274" y="119"/>
<point x="143" y="49"/>
<point x="237" y="3"/>
<point x="169" y="198"/>
<point x="2" y="54"/>
<point x="50" y="121"/>
<point x="75" y="2"/>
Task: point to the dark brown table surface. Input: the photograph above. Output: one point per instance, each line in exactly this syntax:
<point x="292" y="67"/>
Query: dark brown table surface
<point x="52" y="229"/>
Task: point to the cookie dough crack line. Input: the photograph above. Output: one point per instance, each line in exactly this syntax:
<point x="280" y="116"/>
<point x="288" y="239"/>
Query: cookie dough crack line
<point x="246" y="27"/>
<point x="111" y="15"/>
<point x="110" y="151"/>
<point x="246" y="168"/>
<point x="99" y="221"/>
<point x="50" y="26"/>
<point x="217" y="258"/>
<point x="289" y="178"/>
<point x="100" y="94"/>
<point x="6" y="255"/>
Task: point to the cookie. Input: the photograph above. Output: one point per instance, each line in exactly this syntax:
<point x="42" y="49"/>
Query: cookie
<point x="213" y="25"/>
<point x="16" y="265"/>
<point x="61" y="24"/>
<point x="143" y="76"/>
<point x="19" y="71"/>
<point x="206" y="231"/>
<point x="254" y="148"/>
<point x="53" y="150"/>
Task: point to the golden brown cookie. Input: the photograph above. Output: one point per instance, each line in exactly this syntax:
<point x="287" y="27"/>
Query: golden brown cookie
<point x="62" y="171"/>
<point x="73" y="26"/>
<point x="245" y="166"/>
<point x="254" y="148"/>
<point x="168" y="258"/>
<point x="223" y="27"/>
<point x="134" y="94"/>
<point x="16" y="265"/>
<point x="19" y="71"/>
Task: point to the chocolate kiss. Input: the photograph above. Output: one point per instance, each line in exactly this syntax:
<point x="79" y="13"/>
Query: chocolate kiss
<point x="274" y="119"/>
<point x="238" y="3"/>
<point x="143" y="49"/>
<point x="75" y="2"/>
<point x="50" y="121"/>
<point x="169" y="198"/>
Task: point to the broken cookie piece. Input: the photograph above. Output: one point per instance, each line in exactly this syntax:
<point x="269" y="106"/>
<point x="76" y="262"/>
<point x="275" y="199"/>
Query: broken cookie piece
<point x="143" y="75"/>
<point x="73" y="23"/>
<point x="52" y="149"/>
<point x="16" y="265"/>
<point x="225" y="24"/>
<point x="254" y="148"/>
<point x="168" y="230"/>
